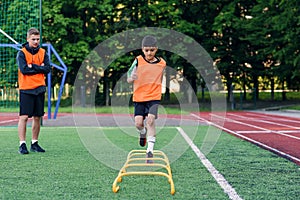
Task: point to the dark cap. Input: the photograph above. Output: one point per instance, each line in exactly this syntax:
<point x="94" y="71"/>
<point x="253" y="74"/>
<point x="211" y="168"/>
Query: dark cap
<point x="149" y="41"/>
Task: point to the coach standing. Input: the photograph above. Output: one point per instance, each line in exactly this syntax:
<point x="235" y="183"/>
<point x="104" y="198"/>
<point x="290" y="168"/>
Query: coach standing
<point x="34" y="64"/>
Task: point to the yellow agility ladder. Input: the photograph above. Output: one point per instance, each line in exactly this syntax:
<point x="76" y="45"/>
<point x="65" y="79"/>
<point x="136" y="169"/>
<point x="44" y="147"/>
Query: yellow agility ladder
<point x="137" y="159"/>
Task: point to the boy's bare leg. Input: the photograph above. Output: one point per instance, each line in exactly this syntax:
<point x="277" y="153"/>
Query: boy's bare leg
<point x="36" y="126"/>
<point x="139" y="122"/>
<point x="22" y="127"/>
<point x="151" y="132"/>
<point x="22" y="134"/>
<point x="151" y="125"/>
<point x="151" y="137"/>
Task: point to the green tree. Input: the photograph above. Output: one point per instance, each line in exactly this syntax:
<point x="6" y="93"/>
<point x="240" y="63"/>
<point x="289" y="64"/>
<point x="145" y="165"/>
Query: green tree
<point x="229" y="51"/>
<point x="271" y="31"/>
<point x="247" y="39"/>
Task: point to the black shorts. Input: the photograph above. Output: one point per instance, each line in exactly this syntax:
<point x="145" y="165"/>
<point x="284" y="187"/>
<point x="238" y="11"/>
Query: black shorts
<point x="32" y="105"/>
<point x="144" y="108"/>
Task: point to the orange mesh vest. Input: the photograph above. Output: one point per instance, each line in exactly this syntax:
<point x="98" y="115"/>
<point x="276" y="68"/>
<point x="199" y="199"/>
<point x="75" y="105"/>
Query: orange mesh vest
<point x="27" y="82"/>
<point x="148" y="85"/>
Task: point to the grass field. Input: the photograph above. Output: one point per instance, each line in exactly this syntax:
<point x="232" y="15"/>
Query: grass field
<point x="68" y="171"/>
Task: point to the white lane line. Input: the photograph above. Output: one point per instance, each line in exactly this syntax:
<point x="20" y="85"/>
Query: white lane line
<point x="266" y="121"/>
<point x="253" y="131"/>
<point x="273" y="117"/>
<point x="290" y="131"/>
<point x="228" y="189"/>
<point x="253" y="141"/>
<point x="258" y="127"/>
<point x="8" y="121"/>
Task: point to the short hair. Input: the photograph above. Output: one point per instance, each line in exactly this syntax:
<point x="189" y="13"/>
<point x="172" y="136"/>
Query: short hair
<point x="149" y="41"/>
<point x="32" y="31"/>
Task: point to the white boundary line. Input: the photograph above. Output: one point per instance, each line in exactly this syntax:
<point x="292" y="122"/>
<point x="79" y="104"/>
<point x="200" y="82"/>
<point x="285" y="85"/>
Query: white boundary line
<point x="228" y="189"/>
<point x="253" y="141"/>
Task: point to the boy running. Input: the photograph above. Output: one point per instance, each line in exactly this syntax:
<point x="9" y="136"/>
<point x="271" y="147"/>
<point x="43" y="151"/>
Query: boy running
<point x="146" y="74"/>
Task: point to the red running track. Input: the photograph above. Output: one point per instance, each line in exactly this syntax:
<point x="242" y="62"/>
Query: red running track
<point x="8" y="119"/>
<point x="11" y="119"/>
<point x="278" y="134"/>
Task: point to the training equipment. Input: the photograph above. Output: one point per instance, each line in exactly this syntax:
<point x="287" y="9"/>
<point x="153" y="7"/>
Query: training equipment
<point x="137" y="159"/>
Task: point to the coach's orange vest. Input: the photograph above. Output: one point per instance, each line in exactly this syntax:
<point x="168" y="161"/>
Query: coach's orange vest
<point x="27" y="82"/>
<point x="148" y="85"/>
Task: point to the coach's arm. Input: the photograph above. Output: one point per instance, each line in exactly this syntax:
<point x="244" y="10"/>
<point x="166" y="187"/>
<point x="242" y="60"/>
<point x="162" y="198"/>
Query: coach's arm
<point x="26" y="69"/>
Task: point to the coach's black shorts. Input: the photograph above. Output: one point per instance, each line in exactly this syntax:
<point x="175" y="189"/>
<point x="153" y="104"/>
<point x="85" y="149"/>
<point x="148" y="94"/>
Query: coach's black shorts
<point x="144" y="108"/>
<point x="32" y="105"/>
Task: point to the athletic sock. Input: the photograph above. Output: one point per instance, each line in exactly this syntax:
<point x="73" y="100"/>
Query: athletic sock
<point x="33" y="141"/>
<point x="151" y="142"/>
<point x="21" y="142"/>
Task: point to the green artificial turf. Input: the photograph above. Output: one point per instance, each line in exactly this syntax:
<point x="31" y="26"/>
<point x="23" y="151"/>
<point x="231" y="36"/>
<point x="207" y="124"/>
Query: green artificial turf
<point x="72" y="169"/>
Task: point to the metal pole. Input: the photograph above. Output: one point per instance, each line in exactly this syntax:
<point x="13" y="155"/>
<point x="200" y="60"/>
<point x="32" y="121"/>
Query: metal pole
<point x="41" y="33"/>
